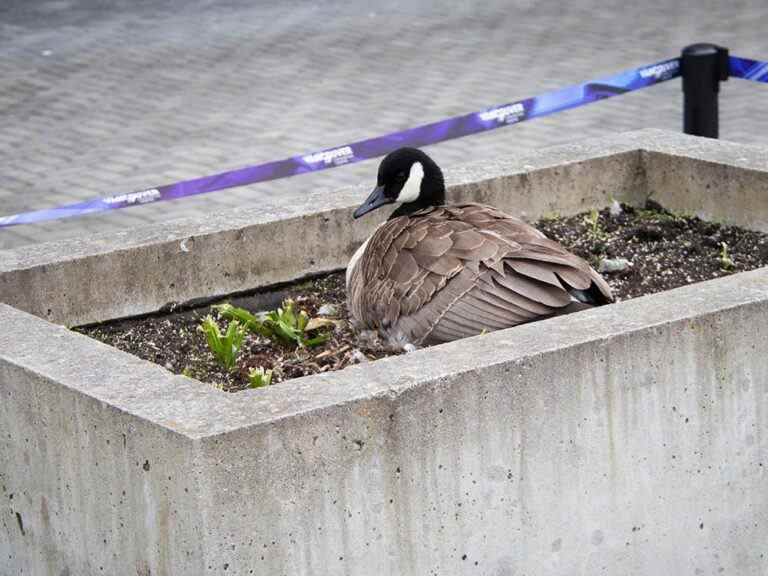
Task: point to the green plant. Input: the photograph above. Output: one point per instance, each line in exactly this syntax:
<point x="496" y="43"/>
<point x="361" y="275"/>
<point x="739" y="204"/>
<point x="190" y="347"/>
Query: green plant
<point x="225" y="347"/>
<point x="726" y="262"/>
<point x="250" y="322"/>
<point x="258" y="377"/>
<point x="283" y="325"/>
<point x="659" y="215"/>
<point x="593" y="223"/>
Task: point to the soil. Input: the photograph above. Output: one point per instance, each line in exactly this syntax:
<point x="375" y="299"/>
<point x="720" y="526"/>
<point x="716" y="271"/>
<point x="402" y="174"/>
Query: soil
<point x="657" y="249"/>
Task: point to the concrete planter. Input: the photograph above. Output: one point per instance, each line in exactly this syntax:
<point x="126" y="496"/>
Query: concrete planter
<point x="631" y="439"/>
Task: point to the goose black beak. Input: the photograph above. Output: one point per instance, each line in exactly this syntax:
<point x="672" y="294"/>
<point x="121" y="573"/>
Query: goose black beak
<point x="375" y="200"/>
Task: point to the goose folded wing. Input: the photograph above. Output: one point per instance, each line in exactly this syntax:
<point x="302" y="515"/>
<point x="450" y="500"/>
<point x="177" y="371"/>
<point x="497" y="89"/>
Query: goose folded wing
<point x="452" y="272"/>
<point x="527" y="278"/>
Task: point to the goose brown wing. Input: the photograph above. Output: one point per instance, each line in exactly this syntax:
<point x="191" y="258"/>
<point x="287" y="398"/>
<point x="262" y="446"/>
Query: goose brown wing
<point x="454" y="271"/>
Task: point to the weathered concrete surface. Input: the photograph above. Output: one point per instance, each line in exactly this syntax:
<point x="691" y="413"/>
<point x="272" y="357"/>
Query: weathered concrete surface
<point x="627" y="440"/>
<point x="717" y="181"/>
<point x="87" y="486"/>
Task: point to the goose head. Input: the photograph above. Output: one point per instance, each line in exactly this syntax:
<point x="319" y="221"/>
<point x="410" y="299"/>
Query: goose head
<point x="407" y="176"/>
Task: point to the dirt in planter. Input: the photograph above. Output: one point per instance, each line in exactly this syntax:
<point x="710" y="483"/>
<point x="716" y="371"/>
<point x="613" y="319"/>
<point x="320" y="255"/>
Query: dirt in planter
<point x="638" y="251"/>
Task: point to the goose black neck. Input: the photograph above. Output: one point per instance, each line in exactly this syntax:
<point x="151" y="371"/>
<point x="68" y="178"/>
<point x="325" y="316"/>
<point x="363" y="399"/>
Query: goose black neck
<point x="432" y="189"/>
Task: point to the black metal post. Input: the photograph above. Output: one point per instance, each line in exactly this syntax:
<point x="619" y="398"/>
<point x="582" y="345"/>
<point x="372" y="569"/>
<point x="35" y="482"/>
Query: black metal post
<point x="703" y="67"/>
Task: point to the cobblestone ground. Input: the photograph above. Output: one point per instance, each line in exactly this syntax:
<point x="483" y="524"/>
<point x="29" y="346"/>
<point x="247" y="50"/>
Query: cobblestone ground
<point x="98" y="100"/>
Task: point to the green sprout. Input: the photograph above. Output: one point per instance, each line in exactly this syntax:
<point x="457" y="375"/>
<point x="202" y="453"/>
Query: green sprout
<point x="258" y="377"/>
<point x="249" y="321"/>
<point x="224" y="347"/>
<point x="657" y="213"/>
<point x="593" y="222"/>
<point x="726" y="262"/>
<point x="283" y="325"/>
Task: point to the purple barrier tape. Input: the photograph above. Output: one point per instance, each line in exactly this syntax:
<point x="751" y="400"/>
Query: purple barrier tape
<point x="456" y="127"/>
<point x="748" y="69"/>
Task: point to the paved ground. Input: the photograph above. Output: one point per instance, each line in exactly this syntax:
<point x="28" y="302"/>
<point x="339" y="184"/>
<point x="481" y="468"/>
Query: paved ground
<point x="101" y="97"/>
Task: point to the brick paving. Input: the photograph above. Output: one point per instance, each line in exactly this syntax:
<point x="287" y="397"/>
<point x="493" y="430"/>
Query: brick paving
<point x="97" y="101"/>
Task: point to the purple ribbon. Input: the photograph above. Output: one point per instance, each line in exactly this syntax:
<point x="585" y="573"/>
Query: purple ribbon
<point x="456" y="127"/>
<point x="748" y="69"/>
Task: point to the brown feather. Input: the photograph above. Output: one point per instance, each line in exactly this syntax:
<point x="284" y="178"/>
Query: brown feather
<point x="540" y="271"/>
<point x="416" y="235"/>
<point x="573" y="277"/>
<point x="405" y="268"/>
<point x="432" y="246"/>
<point x="546" y="294"/>
<point x="488" y="248"/>
<point x="451" y="271"/>
<point x="468" y="240"/>
<point x="517" y="306"/>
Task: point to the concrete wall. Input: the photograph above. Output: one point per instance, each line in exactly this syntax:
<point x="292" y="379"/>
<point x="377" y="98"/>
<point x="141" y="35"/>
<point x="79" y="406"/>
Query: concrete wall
<point x="731" y="190"/>
<point x="629" y="439"/>
<point x="86" y="487"/>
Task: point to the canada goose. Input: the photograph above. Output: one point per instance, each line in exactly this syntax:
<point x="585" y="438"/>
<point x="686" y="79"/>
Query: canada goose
<point x="435" y="272"/>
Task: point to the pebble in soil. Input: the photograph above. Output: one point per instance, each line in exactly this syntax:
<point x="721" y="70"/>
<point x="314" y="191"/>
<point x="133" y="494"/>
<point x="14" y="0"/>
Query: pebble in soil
<point x="641" y="251"/>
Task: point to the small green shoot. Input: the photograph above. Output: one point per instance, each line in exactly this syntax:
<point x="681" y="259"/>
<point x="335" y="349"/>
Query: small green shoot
<point x="283" y="325"/>
<point x="658" y="217"/>
<point x="258" y="377"/>
<point x="593" y="223"/>
<point x="654" y="212"/>
<point x="251" y="322"/>
<point x="726" y="262"/>
<point x="290" y="327"/>
<point x="224" y="347"/>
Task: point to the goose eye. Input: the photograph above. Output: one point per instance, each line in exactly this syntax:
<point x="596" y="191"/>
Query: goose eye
<point x="402" y="176"/>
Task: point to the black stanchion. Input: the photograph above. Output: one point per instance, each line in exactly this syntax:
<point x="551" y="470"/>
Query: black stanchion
<point x="703" y="67"/>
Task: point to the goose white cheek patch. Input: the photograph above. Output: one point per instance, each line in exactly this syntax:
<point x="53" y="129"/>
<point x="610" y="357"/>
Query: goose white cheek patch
<point x="412" y="187"/>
